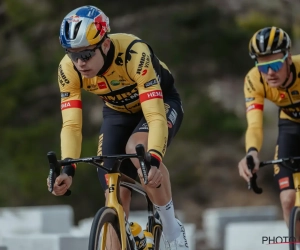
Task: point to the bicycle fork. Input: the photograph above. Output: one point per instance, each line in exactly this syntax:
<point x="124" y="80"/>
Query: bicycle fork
<point x="296" y="178"/>
<point x="114" y="201"/>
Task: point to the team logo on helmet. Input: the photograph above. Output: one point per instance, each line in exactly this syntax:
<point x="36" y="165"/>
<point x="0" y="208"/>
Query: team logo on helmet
<point x="73" y="18"/>
<point x="101" y="24"/>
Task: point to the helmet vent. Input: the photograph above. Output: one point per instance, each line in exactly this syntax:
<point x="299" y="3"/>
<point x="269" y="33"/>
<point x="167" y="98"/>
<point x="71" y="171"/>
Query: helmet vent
<point x="67" y="30"/>
<point x="97" y="34"/>
<point x="77" y="26"/>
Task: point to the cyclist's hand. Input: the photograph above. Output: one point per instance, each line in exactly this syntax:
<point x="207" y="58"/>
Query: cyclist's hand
<point x="154" y="177"/>
<point x="61" y="185"/>
<point x="243" y="168"/>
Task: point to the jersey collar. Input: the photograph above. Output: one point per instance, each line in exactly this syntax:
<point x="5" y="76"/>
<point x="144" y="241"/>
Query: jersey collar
<point x="109" y="60"/>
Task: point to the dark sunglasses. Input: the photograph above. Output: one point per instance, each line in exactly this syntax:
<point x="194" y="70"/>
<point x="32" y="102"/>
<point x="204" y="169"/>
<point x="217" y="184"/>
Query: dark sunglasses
<point x="83" y="55"/>
<point x="275" y="65"/>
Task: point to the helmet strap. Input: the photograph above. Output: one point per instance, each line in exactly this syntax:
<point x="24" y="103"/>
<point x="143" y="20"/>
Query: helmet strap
<point x="288" y="71"/>
<point x="107" y="59"/>
<point x="100" y="48"/>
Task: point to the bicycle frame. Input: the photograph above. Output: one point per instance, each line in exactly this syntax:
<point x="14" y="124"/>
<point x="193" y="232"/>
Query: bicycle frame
<point x="296" y="178"/>
<point x="130" y="183"/>
<point x="113" y="201"/>
<point x="114" y="180"/>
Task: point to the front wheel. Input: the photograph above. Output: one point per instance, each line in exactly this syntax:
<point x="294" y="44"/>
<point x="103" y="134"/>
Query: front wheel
<point x="294" y="229"/>
<point x="158" y="239"/>
<point x="105" y="226"/>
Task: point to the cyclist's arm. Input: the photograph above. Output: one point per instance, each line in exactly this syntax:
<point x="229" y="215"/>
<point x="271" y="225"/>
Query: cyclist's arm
<point x="141" y="70"/>
<point x="71" y="110"/>
<point x="254" y="98"/>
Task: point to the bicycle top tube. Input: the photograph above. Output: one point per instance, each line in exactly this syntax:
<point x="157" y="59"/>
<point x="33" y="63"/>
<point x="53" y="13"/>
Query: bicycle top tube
<point x="284" y="162"/>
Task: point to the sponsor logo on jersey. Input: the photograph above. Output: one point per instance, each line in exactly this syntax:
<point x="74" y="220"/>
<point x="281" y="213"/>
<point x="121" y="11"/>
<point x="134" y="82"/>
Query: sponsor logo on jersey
<point x="122" y="79"/>
<point x="114" y="82"/>
<point x="255" y="106"/>
<point x="122" y="98"/>
<point x="64" y="94"/>
<point x="282" y="95"/>
<point x="249" y="99"/>
<point x="172" y="116"/>
<point x="71" y="104"/>
<point x="62" y="77"/>
<point x="150" y="83"/>
<point x="144" y="126"/>
<point x="249" y="83"/>
<point x="101" y="85"/>
<point x="292" y="112"/>
<point x="295" y="95"/>
<point x="155" y="94"/>
<point x="141" y="64"/>
<point x="147" y="63"/>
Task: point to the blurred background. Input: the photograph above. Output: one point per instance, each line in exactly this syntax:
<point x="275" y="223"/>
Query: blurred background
<point x="205" y="45"/>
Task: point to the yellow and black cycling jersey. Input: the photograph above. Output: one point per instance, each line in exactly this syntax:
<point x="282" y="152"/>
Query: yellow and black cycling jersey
<point x="256" y="89"/>
<point x="132" y="79"/>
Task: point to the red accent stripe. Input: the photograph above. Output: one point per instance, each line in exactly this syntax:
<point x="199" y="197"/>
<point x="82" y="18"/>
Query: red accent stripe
<point x="106" y="178"/>
<point x="255" y="106"/>
<point x="71" y="104"/>
<point x="151" y="95"/>
<point x="156" y="157"/>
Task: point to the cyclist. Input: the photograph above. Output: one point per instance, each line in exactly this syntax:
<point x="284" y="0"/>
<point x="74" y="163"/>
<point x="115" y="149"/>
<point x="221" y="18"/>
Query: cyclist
<point x="276" y="77"/>
<point x="141" y="106"/>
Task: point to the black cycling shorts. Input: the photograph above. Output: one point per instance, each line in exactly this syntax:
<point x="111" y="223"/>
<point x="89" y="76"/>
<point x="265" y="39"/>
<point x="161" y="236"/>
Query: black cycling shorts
<point x="287" y="146"/>
<point x="117" y="128"/>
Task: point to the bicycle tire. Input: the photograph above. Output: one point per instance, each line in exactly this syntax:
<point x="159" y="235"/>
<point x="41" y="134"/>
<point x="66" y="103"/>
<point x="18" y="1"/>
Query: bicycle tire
<point x="104" y="216"/>
<point x="293" y="232"/>
<point x="157" y="233"/>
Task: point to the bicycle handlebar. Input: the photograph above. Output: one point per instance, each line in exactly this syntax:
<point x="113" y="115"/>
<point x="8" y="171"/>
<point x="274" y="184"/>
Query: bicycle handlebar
<point x="252" y="184"/>
<point x="55" y="165"/>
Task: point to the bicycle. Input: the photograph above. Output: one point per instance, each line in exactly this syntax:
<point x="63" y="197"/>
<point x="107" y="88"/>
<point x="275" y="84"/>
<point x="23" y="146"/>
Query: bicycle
<point x="112" y="216"/>
<point x="294" y="232"/>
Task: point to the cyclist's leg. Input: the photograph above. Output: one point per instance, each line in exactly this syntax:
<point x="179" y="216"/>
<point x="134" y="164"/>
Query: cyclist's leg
<point x="162" y="196"/>
<point x="287" y="146"/>
<point x="114" y="133"/>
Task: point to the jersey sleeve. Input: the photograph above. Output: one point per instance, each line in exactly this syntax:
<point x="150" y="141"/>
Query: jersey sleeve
<point x="71" y="109"/>
<point x="141" y="70"/>
<point x="254" y="98"/>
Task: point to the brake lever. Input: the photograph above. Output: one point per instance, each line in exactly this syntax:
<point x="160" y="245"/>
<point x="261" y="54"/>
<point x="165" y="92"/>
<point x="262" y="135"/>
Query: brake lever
<point x="54" y="171"/>
<point x="144" y="159"/>
<point x="252" y="184"/>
